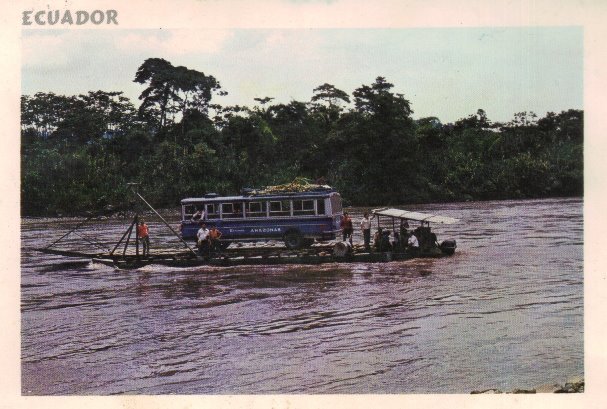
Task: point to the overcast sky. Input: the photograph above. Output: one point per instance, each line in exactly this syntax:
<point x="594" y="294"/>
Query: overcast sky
<point x="444" y="72"/>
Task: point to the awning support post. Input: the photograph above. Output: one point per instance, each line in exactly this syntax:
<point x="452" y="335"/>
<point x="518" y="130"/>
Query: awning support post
<point x="137" y="236"/>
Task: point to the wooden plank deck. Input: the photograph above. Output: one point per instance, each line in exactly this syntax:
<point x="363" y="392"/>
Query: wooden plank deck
<point x="246" y="255"/>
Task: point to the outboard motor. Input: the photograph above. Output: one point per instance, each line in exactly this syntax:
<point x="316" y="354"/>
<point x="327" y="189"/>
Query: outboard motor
<point x="448" y="247"/>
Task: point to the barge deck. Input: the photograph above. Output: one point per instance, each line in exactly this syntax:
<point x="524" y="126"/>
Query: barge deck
<point x="271" y="255"/>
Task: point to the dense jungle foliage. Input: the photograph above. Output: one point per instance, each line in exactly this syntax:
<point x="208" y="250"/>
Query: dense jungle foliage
<point x="78" y="152"/>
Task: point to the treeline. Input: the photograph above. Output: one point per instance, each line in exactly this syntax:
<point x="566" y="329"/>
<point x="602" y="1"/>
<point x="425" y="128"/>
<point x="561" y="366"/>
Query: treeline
<point x="78" y="152"/>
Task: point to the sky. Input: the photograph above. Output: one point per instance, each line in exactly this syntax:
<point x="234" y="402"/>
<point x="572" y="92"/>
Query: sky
<point x="444" y="72"/>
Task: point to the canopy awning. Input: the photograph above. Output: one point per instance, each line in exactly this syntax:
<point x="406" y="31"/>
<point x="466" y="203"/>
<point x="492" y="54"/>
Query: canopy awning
<point x="406" y="215"/>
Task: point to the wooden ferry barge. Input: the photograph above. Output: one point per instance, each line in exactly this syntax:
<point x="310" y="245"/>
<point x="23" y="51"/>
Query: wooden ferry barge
<point x="390" y="245"/>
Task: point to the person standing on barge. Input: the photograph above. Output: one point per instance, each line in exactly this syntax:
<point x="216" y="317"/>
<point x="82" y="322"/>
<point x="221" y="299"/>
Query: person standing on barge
<point x="203" y="240"/>
<point x="365" y="226"/>
<point x="404" y="225"/>
<point x="347" y="227"/>
<point x="215" y="238"/>
<point x="144" y="236"/>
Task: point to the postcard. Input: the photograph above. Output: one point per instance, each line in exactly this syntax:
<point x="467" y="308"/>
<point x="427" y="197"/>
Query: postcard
<point x="303" y="203"/>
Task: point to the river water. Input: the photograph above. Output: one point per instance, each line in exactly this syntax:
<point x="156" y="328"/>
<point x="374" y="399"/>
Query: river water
<point x="506" y="311"/>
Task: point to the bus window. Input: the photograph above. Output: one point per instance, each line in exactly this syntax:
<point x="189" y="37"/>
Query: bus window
<point x="199" y="215"/>
<point x="256" y="209"/>
<point x="280" y="208"/>
<point x="303" y="207"/>
<point x="335" y="204"/>
<point x="188" y="211"/>
<point x="320" y="207"/>
<point x="231" y="210"/>
<point x="238" y="209"/>
<point x="212" y="211"/>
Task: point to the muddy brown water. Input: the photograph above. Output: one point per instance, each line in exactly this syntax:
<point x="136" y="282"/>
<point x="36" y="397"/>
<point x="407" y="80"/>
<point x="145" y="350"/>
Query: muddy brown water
<point x="506" y="311"/>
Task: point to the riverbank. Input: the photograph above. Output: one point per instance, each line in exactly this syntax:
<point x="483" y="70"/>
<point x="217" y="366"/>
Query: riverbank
<point x="110" y="212"/>
<point x="573" y="385"/>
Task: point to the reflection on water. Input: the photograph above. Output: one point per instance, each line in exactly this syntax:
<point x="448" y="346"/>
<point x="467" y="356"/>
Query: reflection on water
<point x="506" y="311"/>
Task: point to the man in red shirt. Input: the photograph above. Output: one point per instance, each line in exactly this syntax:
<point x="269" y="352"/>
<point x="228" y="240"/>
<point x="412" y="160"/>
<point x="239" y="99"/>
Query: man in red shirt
<point x="144" y="235"/>
<point x="347" y="227"/>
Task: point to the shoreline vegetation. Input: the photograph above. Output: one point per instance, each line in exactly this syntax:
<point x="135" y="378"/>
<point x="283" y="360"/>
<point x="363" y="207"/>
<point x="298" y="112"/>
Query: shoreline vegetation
<point x="78" y="152"/>
<point x="113" y="213"/>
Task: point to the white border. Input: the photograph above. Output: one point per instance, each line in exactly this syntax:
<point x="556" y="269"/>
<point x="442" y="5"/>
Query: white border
<point x="320" y="14"/>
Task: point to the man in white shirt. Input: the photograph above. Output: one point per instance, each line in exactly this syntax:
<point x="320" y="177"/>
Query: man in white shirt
<point x="203" y="239"/>
<point x="413" y="244"/>
<point x="365" y="226"/>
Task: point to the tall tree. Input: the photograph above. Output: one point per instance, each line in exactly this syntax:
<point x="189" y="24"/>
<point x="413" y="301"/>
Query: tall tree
<point x="374" y="142"/>
<point x="174" y="89"/>
<point x="158" y="73"/>
<point x="327" y="101"/>
<point x="377" y="99"/>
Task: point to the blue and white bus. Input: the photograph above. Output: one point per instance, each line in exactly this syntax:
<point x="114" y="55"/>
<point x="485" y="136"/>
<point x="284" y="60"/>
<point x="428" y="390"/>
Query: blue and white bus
<point x="296" y="218"/>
